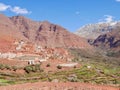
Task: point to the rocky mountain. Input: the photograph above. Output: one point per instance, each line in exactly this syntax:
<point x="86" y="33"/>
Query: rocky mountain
<point x="109" y="42"/>
<point x="43" y="33"/>
<point x="92" y="31"/>
<point x="110" y="39"/>
<point x="106" y="36"/>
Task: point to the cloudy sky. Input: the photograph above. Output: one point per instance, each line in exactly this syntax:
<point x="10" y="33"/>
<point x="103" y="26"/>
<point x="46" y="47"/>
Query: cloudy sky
<point x="71" y="14"/>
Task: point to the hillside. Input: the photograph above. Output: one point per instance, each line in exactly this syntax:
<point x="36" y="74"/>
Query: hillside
<point x="43" y="33"/>
<point x="92" y="31"/>
<point x="110" y="42"/>
<point x="104" y="36"/>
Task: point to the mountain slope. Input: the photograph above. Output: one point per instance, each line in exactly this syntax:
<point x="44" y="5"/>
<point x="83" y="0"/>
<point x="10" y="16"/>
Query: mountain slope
<point x="8" y="33"/>
<point x="92" y="31"/>
<point x="104" y="36"/>
<point x="109" y="40"/>
<point x="43" y="33"/>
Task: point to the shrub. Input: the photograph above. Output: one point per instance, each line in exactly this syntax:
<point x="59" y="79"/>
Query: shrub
<point x="73" y="80"/>
<point x="37" y="67"/>
<point x="48" y="65"/>
<point x="8" y="67"/>
<point x="76" y="59"/>
<point x="14" y="68"/>
<point x="59" y="67"/>
<point x="75" y="66"/>
<point x="28" y="69"/>
<point x="32" y="68"/>
<point x="2" y="66"/>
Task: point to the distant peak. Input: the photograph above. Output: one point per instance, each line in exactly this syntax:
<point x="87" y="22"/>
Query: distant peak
<point x="109" y="23"/>
<point x="92" y="31"/>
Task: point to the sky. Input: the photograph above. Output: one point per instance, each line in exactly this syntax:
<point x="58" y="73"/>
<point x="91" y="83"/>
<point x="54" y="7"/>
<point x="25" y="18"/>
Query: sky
<point x="71" y="14"/>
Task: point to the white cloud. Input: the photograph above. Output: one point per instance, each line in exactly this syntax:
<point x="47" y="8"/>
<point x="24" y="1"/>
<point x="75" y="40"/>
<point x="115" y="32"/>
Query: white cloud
<point x="118" y="0"/>
<point x="19" y="10"/>
<point x="15" y="9"/>
<point x="107" y="19"/>
<point x="4" y="7"/>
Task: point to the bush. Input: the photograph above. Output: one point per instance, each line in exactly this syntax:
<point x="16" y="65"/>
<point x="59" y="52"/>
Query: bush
<point x="59" y="67"/>
<point x="32" y="68"/>
<point x="38" y="67"/>
<point x="28" y="69"/>
<point x="14" y="68"/>
<point x="48" y="65"/>
<point x="75" y="66"/>
<point x="8" y="67"/>
<point x="2" y="66"/>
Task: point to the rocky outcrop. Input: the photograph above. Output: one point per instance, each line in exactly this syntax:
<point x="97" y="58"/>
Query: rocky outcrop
<point x="109" y="40"/>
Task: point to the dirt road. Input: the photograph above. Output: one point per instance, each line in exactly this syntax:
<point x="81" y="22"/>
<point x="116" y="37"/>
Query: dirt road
<point x="57" y="86"/>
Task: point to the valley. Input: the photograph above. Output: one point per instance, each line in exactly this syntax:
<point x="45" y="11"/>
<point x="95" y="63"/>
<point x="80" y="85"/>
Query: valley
<point x="46" y="56"/>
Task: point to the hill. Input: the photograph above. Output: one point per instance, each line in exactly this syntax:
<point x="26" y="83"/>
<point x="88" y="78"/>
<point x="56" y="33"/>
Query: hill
<point x="43" y="33"/>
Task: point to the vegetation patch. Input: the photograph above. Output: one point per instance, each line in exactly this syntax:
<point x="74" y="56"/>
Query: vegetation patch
<point x="33" y="68"/>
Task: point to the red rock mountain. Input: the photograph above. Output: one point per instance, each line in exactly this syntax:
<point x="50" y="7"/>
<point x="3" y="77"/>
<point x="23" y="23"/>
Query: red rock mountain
<point x="42" y="33"/>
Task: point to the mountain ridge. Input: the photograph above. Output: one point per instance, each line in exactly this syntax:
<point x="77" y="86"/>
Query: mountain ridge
<point x="92" y="31"/>
<point x="43" y="33"/>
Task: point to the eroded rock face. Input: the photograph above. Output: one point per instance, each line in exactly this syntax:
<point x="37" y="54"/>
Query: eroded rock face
<point x="109" y="40"/>
<point x="44" y="33"/>
<point x="92" y="31"/>
<point x="47" y="34"/>
<point x="103" y="35"/>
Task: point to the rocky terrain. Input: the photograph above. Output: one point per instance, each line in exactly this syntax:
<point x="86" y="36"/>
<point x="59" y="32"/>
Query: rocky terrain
<point x="53" y="58"/>
<point x="92" y="31"/>
<point x="44" y="33"/>
<point x="104" y="35"/>
<point x="110" y="39"/>
<point x="109" y="42"/>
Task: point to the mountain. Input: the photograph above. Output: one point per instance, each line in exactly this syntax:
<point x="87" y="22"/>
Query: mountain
<point x="92" y="31"/>
<point x="109" y="42"/>
<point x="110" y="39"/>
<point x="43" y="33"/>
<point x="104" y="36"/>
<point x="8" y="33"/>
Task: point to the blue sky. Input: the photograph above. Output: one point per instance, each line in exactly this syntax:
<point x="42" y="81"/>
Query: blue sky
<point x="71" y="14"/>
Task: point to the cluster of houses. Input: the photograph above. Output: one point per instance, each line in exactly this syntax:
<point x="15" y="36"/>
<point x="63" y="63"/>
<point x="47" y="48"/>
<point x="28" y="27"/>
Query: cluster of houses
<point x="41" y="54"/>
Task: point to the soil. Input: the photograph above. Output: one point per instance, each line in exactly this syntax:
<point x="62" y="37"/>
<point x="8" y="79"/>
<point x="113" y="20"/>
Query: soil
<point x="57" y="86"/>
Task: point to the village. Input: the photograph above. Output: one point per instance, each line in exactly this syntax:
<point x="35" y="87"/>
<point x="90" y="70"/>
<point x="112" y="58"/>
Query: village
<point x="31" y="54"/>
